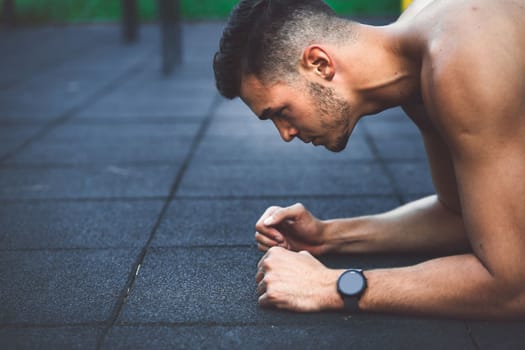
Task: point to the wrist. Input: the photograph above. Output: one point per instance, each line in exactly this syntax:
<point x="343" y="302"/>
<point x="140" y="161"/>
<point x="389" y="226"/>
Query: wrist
<point x="351" y="285"/>
<point x="333" y="299"/>
<point x="342" y="234"/>
<point x="347" y="235"/>
<point x="333" y="236"/>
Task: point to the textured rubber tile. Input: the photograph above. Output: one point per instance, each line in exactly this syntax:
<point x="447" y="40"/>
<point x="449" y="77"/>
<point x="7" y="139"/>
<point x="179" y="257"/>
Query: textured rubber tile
<point x="86" y="182"/>
<point x="44" y="98"/>
<point x="73" y="224"/>
<point x="234" y="109"/>
<point x="148" y="86"/>
<point x="400" y="148"/>
<point x="397" y="140"/>
<point x="232" y="222"/>
<point x="61" y="287"/>
<point x="127" y="133"/>
<point x="194" y="285"/>
<point x="115" y="107"/>
<point x="49" y="338"/>
<point x="203" y="285"/>
<point x="217" y="285"/>
<point x="284" y="179"/>
<point x="395" y="114"/>
<point x="352" y="333"/>
<point x="110" y="144"/>
<point x="51" y="46"/>
<point x="247" y="125"/>
<point x="241" y="147"/>
<point x="498" y="335"/>
<point x="12" y="137"/>
<point x="412" y="177"/>
<point x="389" y="122"/>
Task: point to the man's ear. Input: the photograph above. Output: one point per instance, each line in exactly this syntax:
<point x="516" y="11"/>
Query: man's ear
<point x="317" y="61"/>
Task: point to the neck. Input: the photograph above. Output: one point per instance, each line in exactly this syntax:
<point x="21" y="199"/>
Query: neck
<point x="381" y="75"/>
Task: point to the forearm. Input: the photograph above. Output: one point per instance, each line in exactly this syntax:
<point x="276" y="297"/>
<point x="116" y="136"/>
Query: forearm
<point x="423" y="225"/>
<point x="455" y="286"/>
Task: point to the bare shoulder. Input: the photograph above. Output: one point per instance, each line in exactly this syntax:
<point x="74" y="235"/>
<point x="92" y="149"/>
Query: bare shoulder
<point x="473" y="71"/>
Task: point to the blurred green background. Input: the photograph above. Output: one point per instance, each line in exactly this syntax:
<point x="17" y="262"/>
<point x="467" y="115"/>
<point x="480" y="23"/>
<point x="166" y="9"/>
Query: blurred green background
<point x="30" y="11"/>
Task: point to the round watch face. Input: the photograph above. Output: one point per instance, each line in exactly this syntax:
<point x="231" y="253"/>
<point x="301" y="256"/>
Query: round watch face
<point x="351" y="283"/>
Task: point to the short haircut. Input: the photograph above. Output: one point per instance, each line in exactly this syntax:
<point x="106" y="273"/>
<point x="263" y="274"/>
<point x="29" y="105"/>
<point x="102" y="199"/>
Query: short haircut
<point x="266" y="38"/>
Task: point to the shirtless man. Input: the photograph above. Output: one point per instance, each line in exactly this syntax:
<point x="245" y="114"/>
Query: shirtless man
<point x="457" y="68"/>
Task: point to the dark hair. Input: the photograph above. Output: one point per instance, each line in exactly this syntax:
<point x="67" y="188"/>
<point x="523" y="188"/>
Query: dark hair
<point x="266" y="37"/>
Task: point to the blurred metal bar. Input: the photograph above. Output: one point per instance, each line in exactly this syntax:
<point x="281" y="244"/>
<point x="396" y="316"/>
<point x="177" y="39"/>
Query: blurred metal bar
<point x="130" y="21"/>
<point x="169" y="15"/>
<point x="8" y="13"/>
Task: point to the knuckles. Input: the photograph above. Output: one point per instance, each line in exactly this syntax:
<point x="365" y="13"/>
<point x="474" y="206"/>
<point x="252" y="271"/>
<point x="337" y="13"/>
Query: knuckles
<point x="299" y="205"/>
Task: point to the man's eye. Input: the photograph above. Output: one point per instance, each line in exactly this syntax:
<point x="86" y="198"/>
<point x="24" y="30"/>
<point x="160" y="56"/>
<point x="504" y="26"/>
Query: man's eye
<point x="280" y="113"/>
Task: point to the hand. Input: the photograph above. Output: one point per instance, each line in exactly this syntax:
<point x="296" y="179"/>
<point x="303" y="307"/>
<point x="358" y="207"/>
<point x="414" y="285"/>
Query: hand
<point x="297" y="282"/>
<point x="293" y="228"/>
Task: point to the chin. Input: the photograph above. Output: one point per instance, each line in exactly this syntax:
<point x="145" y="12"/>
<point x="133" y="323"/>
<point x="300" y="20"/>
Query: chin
<point x="334" y="149"/>
<point x="338" y="146"/>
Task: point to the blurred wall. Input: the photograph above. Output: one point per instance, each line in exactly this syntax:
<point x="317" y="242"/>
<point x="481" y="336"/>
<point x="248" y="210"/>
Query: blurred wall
<point x="109" y="10"/>
<point x="405" y="3"/>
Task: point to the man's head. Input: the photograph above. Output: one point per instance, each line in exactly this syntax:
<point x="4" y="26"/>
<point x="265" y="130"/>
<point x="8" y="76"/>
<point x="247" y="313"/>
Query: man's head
<point x="266" y="38"/>
<point x="277" y="56"/>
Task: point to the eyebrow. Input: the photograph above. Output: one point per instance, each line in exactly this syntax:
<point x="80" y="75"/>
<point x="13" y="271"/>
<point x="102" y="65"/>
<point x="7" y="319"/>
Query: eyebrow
<point x="269" y="112"/>
<point x="265" y="115"/>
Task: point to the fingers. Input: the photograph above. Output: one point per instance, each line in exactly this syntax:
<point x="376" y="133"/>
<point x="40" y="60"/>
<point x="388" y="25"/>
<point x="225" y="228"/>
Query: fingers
<point x="265" y="240"/>
<point x="264" y="300"/>
<point x="267" y="235"/>
<point x="267" y="213"/>
<point x="282" y="214"/>
<point x="264" y="243"/>
<point x="262" y="262"/>
<point x="267" y="231"/>
<point x="267" y="278"/>
<point x="305" y="252"/>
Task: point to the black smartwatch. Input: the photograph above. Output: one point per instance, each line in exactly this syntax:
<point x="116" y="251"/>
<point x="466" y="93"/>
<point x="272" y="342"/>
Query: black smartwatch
<point x="351" y="285"/>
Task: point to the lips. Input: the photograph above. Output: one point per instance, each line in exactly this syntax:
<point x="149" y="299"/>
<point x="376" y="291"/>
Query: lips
<point x="313" y="141"/>
<point x="306" y="140"/>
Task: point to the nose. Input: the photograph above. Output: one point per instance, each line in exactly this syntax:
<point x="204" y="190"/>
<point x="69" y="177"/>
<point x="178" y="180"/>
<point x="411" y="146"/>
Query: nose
<point x="287" y="131"/>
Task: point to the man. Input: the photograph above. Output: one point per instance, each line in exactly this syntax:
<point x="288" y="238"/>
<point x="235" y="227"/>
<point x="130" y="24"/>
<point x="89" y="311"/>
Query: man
<point x="457" y="68"/>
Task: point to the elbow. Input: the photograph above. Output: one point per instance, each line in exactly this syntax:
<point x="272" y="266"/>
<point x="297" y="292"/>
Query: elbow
<point x="509" y="299"/>
<point x="451" y="206"/>
<point x="513" y="303"/>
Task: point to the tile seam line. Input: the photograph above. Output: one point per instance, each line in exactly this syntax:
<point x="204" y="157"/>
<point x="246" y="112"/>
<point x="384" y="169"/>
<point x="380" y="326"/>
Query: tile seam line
<point x="72" y="111"/>
<point x="162" y="162"/>
<point x="99" y="324"/>
<point x="87" y="165"/>
<point x="199" y="136"/>
<point x="471" y="336"/>
<point x="97" y="121"/>
<point x="120" y="248"/>
<point x="51" y="325"/>
<point x="200" y="198"/>
<point x="229" y="324"/>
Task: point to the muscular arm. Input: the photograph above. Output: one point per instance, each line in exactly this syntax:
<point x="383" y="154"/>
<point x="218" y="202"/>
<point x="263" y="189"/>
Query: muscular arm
<point x="481" y="116"/>
<point x="432" y="224"/>
<point x="425" y="225"/>
<point x="479" y="111"/>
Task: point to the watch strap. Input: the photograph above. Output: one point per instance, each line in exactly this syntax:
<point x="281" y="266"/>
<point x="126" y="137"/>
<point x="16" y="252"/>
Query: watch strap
<point x="351" y="304"/>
